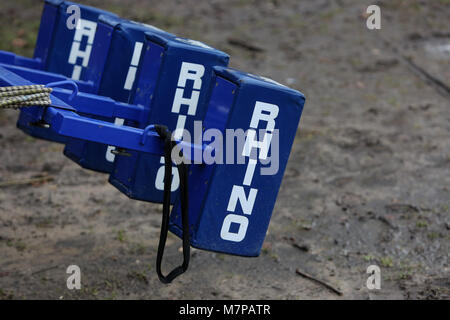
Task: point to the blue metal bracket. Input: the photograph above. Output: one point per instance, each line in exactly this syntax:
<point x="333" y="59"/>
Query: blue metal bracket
<point x="63" y="118"/>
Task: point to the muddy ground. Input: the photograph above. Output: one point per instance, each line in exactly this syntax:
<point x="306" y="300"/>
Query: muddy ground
<point x="367" y="182"/>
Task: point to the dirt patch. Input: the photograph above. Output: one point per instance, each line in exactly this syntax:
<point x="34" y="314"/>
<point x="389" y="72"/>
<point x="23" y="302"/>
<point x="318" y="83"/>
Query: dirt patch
<point x="367" y="181"/>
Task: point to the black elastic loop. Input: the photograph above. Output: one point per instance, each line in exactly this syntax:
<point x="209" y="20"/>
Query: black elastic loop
<point x="166" y="135"/>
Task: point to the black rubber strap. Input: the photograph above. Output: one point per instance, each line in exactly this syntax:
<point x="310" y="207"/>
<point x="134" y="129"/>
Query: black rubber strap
<point x="166" y="135"/>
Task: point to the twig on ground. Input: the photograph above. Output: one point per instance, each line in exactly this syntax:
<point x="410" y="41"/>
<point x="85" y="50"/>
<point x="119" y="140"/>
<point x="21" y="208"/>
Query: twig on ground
<point x="11" y="183"/>
<point x="323" y="283"/>
<point x="44" y="270"/>
<point x="244" y="45"/>
<point x="428" y="78"/>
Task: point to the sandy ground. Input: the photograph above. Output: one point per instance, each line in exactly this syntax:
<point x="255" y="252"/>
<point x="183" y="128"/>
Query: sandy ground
<point x="367" y="182"/>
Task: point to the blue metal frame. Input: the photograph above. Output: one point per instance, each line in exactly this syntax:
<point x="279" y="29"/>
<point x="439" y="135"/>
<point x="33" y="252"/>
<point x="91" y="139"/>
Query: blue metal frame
<point x="63" y="119"/>
<point x="230" y="205"/>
